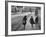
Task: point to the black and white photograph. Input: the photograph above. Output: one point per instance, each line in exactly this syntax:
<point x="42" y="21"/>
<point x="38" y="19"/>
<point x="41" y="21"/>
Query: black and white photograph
<point x="25" y="18"/>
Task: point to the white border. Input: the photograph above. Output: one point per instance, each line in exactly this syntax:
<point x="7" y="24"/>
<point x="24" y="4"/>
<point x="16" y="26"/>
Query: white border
<point x="24" y="32"/>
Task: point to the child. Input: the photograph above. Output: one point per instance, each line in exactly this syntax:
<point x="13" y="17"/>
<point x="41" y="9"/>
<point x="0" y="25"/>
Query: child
<point x="24" y="21"/>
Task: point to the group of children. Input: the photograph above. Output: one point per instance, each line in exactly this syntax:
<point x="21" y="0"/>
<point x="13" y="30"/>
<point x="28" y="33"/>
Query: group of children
<point x="32" y="21"/>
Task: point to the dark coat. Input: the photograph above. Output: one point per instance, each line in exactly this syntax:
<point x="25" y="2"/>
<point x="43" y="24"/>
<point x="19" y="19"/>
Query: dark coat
<point x="36" y="20"/>
<point x="32" y="21"/>
<point x="24" y="20"/>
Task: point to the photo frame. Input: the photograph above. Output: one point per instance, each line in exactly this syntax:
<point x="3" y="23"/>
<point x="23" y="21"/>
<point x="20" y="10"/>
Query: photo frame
<point x="13" y="9"/>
